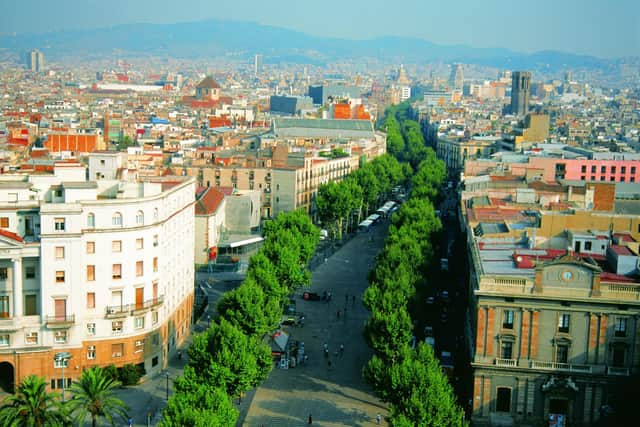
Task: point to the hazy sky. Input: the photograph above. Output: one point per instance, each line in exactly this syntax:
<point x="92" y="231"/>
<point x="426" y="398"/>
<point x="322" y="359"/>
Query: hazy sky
<point x="596" y="27"/>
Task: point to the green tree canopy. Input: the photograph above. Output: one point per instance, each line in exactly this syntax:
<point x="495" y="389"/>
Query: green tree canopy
<point x="32" y="406"/>
<point x="225" y="357"/>
<point x="198" y="404"/>
<point x="94" y="395"/>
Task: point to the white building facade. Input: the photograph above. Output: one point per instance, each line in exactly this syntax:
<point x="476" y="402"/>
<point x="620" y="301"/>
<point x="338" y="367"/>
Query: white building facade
<point x="103" y="270"/>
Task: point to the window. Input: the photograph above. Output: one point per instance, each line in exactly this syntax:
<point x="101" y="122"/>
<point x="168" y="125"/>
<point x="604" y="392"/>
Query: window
<point x="116" y="246"/>
<point x="633" y="170"/>
<point x="507" y="320"/>
<point x="155" y="240"/>
<point x="593" y="169"/>
<point x="30" y="272"/>
<point x="91" y="300"/>
<point x="117" y="350"/>
<point x="59" y="252"/>
<point x="139" y="268"/>
<point x="154" y="317"/>
<point x="602" y="178"/>
<point x="563" y="323"/>
<point x="587" y="246"/>
<point x="582" y="178"/>
<point x="4" y="222"/>
<point x="60" y="337"/>
<point x="91" y="328"/>
<point x="612" y="179"/>
<point x="506" y="350"/>
<point x="140" y="218"/>
<point x="156" y="215"/>
<point x="59" y="363"/>
<point x="139" y="244"/>
<point x="139" y="322"/>
<point x="613" y="169"/>
<point x="91" y="352"/>
<point x="116" y="271"/>
<point x="91" y="273"/>
<point x="91" y="247"/>
<point x="623" y="169"/>
<point x="155" y="339"/>
<point x="31" y="338"/>
<point x="593" y="177"/>
<point x="4" y="340"/>
<point x="503" y="399"/>
<point x="116" y="219"/>
<point x="619" y="354"/>
<point x="562" y="353"/>
<point x="139" y="346"/>
<point x="60" y="276"/>
<point x="58" y="224"/>
<point x="621" y="327"/>
<point x="116" y="327"/>
<point x="91" y="220"/>
<point x="4" y="273"/>
<point x="603" y="169"/>
<point x="4" y="307"/>
<point x="583" y="169"/>
<point x="155" y="264"/>
<point x="30" y="305"/>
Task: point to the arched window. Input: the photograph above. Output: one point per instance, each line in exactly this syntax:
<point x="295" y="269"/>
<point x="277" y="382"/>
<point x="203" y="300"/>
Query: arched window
<point x="140" y="218"/>
<point x="155" y="214"/>
<point x="91" y="220"/>
<point x="116" y="219"/>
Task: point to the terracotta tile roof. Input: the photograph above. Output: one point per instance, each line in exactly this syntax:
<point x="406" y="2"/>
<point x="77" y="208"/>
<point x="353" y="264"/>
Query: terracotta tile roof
<point x="209" y="201"/>
<point x="10" y="235"/>
<point x="208" y="83"/>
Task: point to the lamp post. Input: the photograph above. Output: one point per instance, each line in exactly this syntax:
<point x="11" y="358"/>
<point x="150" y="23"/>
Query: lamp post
<point x="62" y="359"/>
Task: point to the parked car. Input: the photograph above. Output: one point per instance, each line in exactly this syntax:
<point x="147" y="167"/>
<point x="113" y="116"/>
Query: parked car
<point x="430" y="300"/>
<point x="444" y="295"/>
<point x="446" y="361"/>
<point x="311" y="296"/>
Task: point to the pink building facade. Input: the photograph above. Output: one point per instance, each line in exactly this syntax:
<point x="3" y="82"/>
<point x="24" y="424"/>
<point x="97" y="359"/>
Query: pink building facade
<point x="552" y="169"/>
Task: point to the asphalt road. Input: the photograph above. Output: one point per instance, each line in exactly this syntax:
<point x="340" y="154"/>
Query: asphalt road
<point x="334" y="395"/>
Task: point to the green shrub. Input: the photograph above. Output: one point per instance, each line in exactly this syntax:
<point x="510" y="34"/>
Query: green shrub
<point x="129" y="374"/>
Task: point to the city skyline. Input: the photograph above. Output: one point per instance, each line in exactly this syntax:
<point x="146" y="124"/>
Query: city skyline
<point x="593" y="28"/>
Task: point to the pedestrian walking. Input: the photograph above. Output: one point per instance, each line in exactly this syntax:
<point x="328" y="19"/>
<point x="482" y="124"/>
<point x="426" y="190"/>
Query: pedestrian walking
<point x="310" y="419"/>
<point x="346" y="299"/>
<point x="353" y="300"/>
<point x="338" y="314"/>
<point x="329" y="364"/>
<point x="326" y="352"/>
<point x="341" y="348"/>
<point x="378" y="418"/>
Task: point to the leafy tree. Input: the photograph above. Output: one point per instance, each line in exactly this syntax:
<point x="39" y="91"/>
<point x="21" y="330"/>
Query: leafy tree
<point x="264" y="273"/>
<point x="368" y="182"/>
<point x="225" y="357"/>
<point x="299" y="223"/>
<point x="250" y="309"/>
<point x="386" y="332"/>
<point x="198" y="404"/>
<point x="32" y="405"/>
<point x="335" y="202"/>
<point x="284" y="253"/>
<point x="94" y="395"/>
<point x="129" y="374"/>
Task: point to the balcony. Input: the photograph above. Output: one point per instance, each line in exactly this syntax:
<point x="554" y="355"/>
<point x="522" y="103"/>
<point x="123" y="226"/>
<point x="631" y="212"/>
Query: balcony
<point x="555" y="366"/>
<point x="508" y="363"/>
<point x="8" y="324"/>
<point x="611" y="370"/>
<point x="115" y="311"/>
<point x="63" y="321"/>
<point x="148" y="304"/>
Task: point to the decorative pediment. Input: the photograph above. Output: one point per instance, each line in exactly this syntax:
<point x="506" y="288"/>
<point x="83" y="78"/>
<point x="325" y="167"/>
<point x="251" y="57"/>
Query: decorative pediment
<point x="567" y="273"/>
<point x="559" y="385"/>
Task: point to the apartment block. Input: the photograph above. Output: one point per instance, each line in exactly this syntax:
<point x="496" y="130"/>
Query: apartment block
<point x="102" y="270"/>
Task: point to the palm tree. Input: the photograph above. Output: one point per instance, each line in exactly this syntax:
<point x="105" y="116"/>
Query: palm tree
<point x="94" y="394"/>
<point x="32" y="405"/>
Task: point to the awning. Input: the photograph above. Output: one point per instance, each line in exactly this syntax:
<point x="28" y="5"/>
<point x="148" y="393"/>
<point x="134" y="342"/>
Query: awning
<point x="244" y="242"/>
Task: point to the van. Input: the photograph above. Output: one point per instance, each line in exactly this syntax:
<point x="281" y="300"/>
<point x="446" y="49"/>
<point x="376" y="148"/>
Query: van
<point x="444" y="264"/>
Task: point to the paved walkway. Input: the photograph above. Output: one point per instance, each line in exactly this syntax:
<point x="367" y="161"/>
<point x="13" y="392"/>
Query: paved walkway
<point x="336" y="395"/>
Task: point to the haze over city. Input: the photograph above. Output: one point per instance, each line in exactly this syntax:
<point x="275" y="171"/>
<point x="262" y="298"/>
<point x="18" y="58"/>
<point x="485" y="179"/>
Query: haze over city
<point x="591" y="27"/>
<point x="345" y="213"/>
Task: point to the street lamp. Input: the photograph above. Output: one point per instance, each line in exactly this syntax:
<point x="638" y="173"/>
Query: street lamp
<point x="62" y="359"/>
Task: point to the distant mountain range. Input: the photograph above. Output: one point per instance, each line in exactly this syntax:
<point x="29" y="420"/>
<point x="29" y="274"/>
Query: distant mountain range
<point x="243" y="39"/>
